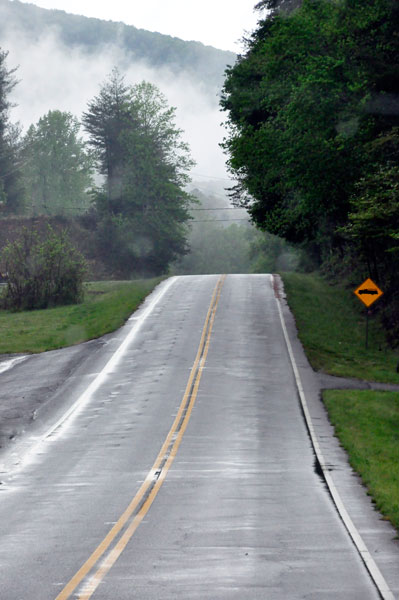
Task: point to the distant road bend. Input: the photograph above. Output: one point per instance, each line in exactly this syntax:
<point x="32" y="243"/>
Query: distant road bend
<point x="183" y="467"/>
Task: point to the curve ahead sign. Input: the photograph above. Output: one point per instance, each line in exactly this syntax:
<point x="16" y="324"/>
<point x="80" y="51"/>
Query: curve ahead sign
<point x="368" y="292"/>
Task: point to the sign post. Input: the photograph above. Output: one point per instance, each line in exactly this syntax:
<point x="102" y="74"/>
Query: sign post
<point x="368" y="292"/>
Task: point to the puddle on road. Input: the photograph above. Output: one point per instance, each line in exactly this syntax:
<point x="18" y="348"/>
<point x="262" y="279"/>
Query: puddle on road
<point x="319" y="471"/>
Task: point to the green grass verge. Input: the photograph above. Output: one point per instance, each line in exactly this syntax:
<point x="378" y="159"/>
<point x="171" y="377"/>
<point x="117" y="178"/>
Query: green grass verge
<point x="367" y="424"/>
<point x="106" y="307"/>
<point x="331" y="326"/>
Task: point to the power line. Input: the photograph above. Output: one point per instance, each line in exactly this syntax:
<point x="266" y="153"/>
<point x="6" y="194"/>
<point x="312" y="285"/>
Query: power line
<point x="211" y="176"/>
<point x="83" y="209"/>
<point x="221" y="208"/>
<point x="219" y="220"/>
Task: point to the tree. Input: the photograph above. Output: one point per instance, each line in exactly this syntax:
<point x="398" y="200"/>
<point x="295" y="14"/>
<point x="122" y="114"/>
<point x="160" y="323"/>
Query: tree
<point x="314" y="88"/>
<point x="107" y="118"/>
<point x="42" y="272"/>
<point x="58" y="169"/>
<point x="314" y="120"/>
<point x="283" y="99"/>
<point x="143" y="204"/>
<point x="373" y="223"/>
<point x="373" y="232"/>
<point x="278" y="5"/>
<point x="11" y="191"/>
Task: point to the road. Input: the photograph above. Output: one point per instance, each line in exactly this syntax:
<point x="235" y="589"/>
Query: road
<point x="183" y="468"/>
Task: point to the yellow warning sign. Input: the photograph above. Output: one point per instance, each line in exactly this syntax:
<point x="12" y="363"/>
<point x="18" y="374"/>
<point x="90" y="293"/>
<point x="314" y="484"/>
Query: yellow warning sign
<point x="368" y="292"/>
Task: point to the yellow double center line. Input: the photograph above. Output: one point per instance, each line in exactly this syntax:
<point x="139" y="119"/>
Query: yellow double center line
<point x="112" y="546"/>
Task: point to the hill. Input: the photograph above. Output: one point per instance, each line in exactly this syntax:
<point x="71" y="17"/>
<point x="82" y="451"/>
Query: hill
<point x="90" y="35"/>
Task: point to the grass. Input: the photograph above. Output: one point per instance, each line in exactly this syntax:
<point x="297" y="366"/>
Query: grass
<point x="106" y="307"/>
<point x="367" y="424"/>
<point x="331" y="325"/>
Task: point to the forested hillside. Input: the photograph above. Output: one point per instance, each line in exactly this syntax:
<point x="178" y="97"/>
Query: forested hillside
<point x="203" y="62"/>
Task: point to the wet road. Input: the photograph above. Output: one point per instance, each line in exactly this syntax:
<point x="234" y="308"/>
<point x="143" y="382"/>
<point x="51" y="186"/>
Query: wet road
<point x="186" y="467"/>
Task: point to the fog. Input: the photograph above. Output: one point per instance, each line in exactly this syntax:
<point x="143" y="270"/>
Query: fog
<point x="52" y="76"/>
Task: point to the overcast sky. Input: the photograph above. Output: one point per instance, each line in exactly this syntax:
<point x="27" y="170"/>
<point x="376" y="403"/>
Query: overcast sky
<point x="52" y="77"/>
<point x="219" y="23"/>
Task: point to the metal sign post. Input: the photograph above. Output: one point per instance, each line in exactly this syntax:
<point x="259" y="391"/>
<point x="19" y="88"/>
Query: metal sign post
<point x="368" y="292"/>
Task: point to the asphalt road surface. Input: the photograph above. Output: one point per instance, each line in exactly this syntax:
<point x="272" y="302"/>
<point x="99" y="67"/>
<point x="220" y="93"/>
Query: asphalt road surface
<point x="176" y="464"/>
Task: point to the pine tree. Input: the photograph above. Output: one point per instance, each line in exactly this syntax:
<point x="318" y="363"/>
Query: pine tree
<point x="11" y="191"/>
<point x="107" y="117"/>
<point x="143" y="204"/>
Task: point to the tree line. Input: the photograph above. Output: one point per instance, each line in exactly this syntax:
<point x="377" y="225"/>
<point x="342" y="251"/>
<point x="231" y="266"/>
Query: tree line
<point x="313" y="115"/>
<point x="138" y="205"/>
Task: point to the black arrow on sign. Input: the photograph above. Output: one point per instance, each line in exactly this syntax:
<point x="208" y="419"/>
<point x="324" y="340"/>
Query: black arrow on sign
<point x="371" y="292"/>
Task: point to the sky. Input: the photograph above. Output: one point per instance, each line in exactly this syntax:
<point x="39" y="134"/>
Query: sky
<point x="219" y="23"/>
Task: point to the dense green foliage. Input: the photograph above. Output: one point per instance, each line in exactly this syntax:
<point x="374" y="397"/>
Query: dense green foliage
<point x="367" y="425"/>
<point x="143" y="207"/>
<point x="58" y="169"/>
<point x="303" y="113"/>
<point x="42" y="272"/>
<point x="313" y="113"/>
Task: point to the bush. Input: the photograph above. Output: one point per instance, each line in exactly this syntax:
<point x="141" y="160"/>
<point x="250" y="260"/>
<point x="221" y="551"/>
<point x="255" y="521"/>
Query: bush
<point x="42" y="272"/>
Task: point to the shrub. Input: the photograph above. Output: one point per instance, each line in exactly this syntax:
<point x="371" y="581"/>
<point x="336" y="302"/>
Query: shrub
<point x="42" y="272"/>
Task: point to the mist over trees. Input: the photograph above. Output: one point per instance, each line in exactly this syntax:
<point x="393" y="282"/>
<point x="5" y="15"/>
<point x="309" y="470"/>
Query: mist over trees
<point x="90" y="35"/>
<point x="222" y="240"/>
<point x="313" y="113"/>
<point x="235" y="248"/>
<point x="140" y="214"/>
<point x="143" y="207"/>
<point x="138" y="217"/>
<point x="58" y="168"/>
<point x="11" y="195"/>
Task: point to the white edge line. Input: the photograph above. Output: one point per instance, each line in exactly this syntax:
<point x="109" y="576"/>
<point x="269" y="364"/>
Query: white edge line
<point x="86" y="396"/>
<point x="10" y="363"/>
<point x="361" y="547"/>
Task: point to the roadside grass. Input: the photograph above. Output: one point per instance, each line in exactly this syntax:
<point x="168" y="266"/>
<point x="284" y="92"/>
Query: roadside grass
<point x="367" y="425"/>
<point x="331" y="326"/>
<point x="106" y="306"/>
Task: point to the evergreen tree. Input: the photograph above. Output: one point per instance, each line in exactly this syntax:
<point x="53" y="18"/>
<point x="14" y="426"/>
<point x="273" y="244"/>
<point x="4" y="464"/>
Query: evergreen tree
<point x="143" y="204"/>
<point x="11" y="191"/>
<point x="107" y="117"/>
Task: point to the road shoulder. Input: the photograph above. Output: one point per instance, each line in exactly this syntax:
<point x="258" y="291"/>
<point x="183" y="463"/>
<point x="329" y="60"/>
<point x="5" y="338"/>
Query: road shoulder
<point x="379" y="535"/>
